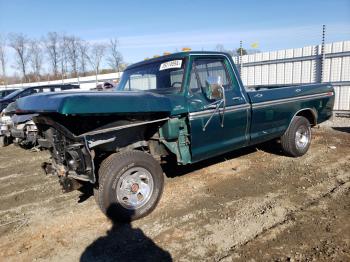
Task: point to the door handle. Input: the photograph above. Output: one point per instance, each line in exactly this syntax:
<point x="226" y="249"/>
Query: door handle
<point x="236" y="98"/>
<point x="258" y="95"/>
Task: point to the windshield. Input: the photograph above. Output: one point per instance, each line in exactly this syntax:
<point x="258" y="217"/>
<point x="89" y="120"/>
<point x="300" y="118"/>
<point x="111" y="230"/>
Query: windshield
<point x="162" y="75"/>
<point x="13" y="94"/>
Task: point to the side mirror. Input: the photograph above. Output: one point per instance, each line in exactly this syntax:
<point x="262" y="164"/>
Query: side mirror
<point x="214" y="89"/>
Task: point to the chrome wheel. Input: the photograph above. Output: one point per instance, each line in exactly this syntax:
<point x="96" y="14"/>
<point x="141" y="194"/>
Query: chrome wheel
<point x="135" y="188"/>
<point x="302" y="137"/>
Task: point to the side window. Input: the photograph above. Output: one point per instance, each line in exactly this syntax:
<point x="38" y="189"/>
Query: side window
<point x="27" y="93"/>
<point x="204" y="68"/>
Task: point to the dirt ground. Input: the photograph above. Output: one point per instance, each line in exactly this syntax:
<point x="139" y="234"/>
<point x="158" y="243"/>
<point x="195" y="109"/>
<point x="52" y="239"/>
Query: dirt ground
<point x="251" y="205"/>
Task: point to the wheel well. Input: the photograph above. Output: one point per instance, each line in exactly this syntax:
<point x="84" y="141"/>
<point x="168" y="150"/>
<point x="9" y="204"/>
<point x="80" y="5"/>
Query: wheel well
<point x="310" y="115"/>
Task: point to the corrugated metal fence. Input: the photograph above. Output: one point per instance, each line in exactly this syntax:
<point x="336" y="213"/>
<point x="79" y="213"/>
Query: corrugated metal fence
<point x="302" y="66"/>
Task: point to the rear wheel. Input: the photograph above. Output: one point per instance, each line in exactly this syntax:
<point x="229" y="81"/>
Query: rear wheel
<point x="130" y="185"/>
<point x="296" y="140"/>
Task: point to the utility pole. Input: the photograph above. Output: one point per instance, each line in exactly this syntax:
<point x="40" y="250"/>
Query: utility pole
<point x="240" y="57"/>
<point x="323" y="55"/>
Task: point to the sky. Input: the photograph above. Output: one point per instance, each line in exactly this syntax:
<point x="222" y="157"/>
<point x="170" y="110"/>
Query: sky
<point x="147" y="28"/>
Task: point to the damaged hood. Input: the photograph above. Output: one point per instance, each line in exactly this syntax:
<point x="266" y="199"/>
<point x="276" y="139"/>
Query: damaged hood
<point x="96" y="103"/>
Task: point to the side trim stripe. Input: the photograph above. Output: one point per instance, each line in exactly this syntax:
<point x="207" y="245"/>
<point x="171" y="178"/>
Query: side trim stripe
<point x="288" y="100"/>
<point x="228" y="109"/>
<point x="199" y="114"/>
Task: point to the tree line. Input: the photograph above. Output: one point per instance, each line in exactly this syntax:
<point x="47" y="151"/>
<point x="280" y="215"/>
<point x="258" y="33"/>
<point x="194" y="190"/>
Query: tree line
<point x="56" y="56"/>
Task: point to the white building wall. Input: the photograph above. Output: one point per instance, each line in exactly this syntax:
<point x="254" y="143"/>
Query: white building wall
<point x="301" y="66"/>
<point x="86" y="83"/>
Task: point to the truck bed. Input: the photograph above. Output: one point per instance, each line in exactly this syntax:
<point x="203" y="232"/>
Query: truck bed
<point x="273" y="108"/>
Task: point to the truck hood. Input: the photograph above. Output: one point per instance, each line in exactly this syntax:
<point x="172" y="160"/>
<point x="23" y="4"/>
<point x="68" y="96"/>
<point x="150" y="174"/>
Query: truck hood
<point x="94" y="103"/>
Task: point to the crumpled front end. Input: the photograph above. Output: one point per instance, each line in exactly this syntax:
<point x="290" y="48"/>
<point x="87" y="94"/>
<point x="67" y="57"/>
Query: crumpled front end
<point x="25" y="133"/>
<point x="71" y="159"/>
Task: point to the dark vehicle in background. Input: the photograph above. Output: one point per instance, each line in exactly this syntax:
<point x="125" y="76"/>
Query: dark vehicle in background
<point x="6" y="92"/>
<point x="185" y="107"/>
<point x="5" y="125"/>
<point x="21" y="129"/>
<point x="23" y="92"/>
<point x="106" y="86"/>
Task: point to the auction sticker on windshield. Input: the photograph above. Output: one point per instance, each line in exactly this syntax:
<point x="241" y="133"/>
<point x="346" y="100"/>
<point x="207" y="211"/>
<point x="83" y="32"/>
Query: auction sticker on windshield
<point x="170" y="64"/>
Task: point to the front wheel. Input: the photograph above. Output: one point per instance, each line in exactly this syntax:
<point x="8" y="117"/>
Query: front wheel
<point x="5" y="141"/>
<point x="130" y="185"/>
<point x="296" y="140"/>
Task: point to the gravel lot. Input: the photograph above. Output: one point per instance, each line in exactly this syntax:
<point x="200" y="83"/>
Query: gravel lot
<point x="250" y="205"/>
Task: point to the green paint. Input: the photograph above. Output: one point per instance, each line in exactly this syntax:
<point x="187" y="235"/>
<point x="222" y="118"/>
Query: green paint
<point x="174" y="135"/>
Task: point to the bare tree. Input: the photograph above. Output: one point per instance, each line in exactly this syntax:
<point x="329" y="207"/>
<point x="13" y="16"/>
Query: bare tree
<point x="114" y="58"/>
<point x="36" y="58"/>
<point x="96" y="55"/>
<point x="73" y="53"/>
<point x="63" y="56"/>
<point x="3" y="59"/>
<point x="221" y="48"/>
<point x="83" y="56"/>
<point x="19" y="42"/>
<point x="52" y="44"/>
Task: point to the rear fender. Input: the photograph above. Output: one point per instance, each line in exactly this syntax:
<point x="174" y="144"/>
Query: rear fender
<point x="309" y="113"/>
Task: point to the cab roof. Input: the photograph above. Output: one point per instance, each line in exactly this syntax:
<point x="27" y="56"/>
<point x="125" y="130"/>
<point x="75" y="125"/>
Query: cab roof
<point x="175" y="56"/>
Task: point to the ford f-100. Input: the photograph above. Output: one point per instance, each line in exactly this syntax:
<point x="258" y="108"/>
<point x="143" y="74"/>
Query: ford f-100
<point x="188" y="106"/>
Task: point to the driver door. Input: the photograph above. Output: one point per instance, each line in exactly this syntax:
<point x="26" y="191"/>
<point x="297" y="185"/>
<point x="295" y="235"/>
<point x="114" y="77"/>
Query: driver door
<point x="214" y="132"/>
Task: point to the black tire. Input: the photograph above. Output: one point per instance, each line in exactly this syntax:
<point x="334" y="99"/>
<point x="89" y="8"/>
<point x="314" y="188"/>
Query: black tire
<point x="111" y="172"/>
<point x="5" y="141"/>
<point x="297" y="139"/>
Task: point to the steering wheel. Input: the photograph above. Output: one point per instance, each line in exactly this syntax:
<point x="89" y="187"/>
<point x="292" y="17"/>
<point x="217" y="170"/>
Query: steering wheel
<point x="176" y="83"/>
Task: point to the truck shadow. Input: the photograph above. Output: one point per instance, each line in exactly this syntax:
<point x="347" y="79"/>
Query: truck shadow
<point x="124" y="243"/>
<point x="171" y="169"/>
<point x="86" y="191"/>
<point x="345" y="129"/>
<point x="272" y="147"/>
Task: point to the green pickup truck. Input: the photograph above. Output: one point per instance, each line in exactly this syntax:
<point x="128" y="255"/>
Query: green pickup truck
<point x="187" y="106"/>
